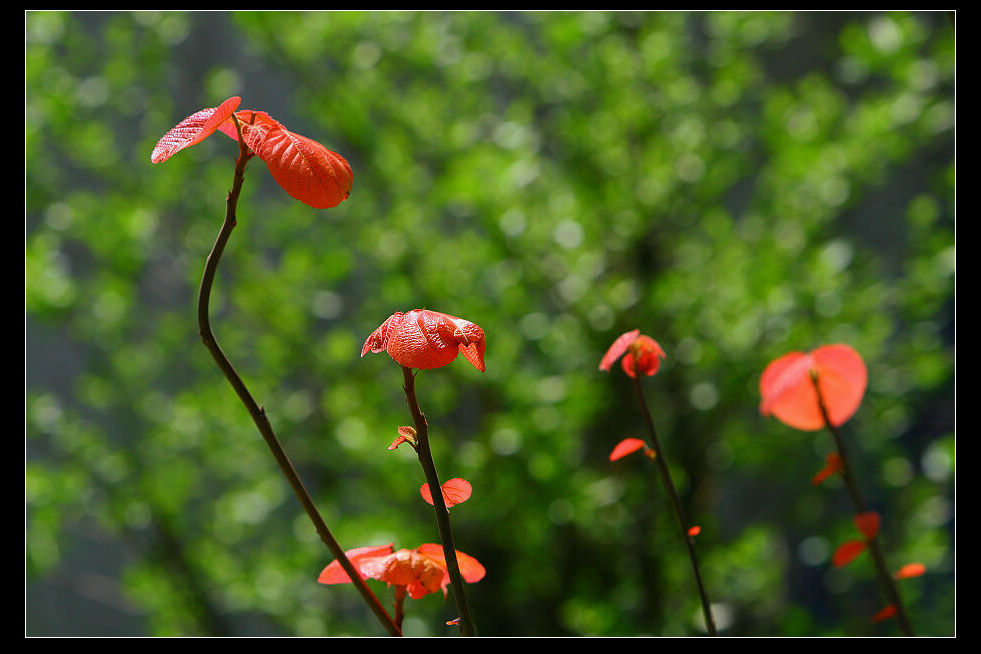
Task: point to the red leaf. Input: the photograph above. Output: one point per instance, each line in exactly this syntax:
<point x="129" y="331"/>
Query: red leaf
<point x="885" y="613"/>
<point x="832" y="466"/>
<point x="847" y="552"/>
<point x="335" y="574"/>
<point x="618" y="348"/>
<point x="471" y="569"/>
<point x="455" y="491"/>
<point x="868" y="524"/>
<point x="625" y="447"/>
<point x="304" y="168"/>
<point x="193" y="129"/>
<point x="694" y="531"/>
<point x="910" y="570"/>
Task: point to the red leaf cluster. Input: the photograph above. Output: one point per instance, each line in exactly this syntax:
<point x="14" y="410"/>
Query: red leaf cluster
<point x="640" y="354"/>
<point x="420" y="571"/>
<point x="304" y="168"/>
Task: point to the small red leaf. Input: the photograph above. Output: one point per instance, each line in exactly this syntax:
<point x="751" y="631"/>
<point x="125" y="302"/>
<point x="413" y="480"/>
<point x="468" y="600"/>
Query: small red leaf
<point x="910" y="570"/>
<point x="868" y="524"/>
<point x="625" y="447"/>
<point x="694" y="531"/>
<point x="885" y="613"/>
<point x="847" y="552"/>
<point x="455" y="491"/>
<point x="832" y="465"/>
<point x="406" y="435"/>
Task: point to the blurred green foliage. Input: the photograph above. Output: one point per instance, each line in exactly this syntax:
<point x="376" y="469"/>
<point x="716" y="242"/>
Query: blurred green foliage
<point x="736" y="185"/>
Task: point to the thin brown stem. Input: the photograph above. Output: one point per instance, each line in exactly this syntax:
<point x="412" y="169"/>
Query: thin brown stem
<point x="258" y="413"/>
<point x="467" y="627"/>
<point x="889" y="586"/>
<point x="679" y="512"/>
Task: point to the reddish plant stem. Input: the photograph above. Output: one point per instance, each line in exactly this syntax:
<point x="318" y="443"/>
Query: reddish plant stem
<point x="258" y="413"/>
<point x="662" y="467"/>
<point x="467" y="627"/>
<point x="889" y="586"/>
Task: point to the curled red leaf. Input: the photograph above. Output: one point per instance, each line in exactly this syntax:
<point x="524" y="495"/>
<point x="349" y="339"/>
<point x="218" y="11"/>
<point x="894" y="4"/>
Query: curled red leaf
<point x="426" y="339"/>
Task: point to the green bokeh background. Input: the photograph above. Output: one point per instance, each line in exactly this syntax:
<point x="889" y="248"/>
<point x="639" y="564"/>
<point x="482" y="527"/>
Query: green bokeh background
<point x="736" y="185"/>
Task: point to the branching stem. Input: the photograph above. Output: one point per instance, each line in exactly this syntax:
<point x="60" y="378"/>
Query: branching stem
<point x="258" y="413"/>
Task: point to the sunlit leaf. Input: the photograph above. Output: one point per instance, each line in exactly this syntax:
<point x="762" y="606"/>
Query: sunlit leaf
<point x="193" y="129"/>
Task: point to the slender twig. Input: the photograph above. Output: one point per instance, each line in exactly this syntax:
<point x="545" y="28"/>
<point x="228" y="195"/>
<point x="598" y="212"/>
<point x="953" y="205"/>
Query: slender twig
<point x="258" y="413"/>
<point x="439" y="505"/>
<point x="858" y="500"/>
<point x="679" y="512"/>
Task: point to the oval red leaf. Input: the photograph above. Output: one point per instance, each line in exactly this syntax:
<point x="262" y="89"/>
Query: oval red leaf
<point x="302" y="167"/>
<point x="847" y="552"/>
<point x="910" y="570"/>
<point x="625" y="447"/>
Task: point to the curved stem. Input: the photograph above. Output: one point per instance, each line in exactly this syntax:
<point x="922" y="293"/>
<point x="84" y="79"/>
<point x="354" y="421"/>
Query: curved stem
<point x="679" y="512"/>
<point x="858" y="500"/>
<point x="258" y="413"/>
<point x="439" y="505"/>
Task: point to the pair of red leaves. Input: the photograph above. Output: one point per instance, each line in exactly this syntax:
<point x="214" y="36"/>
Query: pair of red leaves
<point x="788" y="393"/>
<point x="302" y="167"/>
